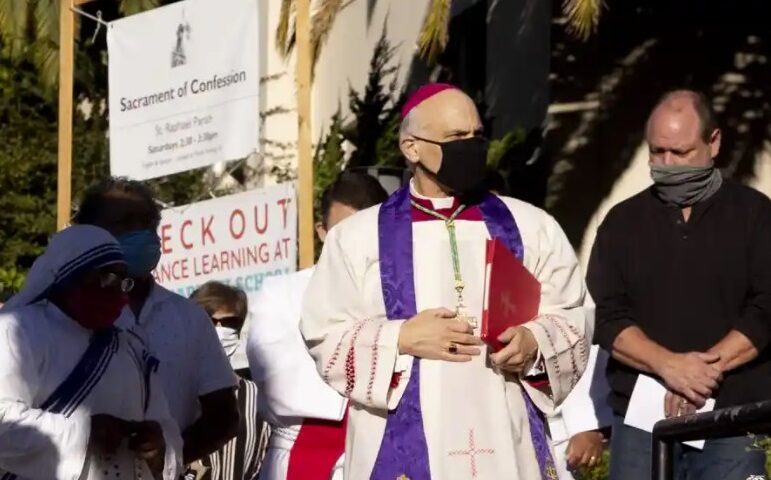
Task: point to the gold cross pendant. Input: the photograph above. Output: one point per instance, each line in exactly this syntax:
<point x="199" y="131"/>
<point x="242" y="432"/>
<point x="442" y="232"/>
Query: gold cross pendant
<point x="470" y="320"/>
<point x="460" y="315"/>
<point x="402" y="477"/>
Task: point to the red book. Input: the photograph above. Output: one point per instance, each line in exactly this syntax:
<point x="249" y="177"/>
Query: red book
<point x="512" y="294"/>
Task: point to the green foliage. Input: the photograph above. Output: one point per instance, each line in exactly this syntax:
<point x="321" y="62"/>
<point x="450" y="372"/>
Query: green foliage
<point x="11" y="280"/>
<point x="328" y="160"/>
<point x="29" y="30"/>
<point x="583" y="17"/>
<point x="28" y="158"/>
<point x="434" y="34"/>
<point x="376" y="127"/>
<point x="599" y="472"/>
<point x="763" y="443"/>
<point x="322" y="20"/>
<point x="28" y="152"/>
<point x="496" y="153"/>
<point x="499" y="147"/>
<point x="387" y="150"/>
<point x="375" y="132"/>
<point x="27" y="163"/>
<point x="183" y="188"/>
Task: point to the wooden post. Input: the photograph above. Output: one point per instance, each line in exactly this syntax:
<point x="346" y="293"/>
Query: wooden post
<point x="66" y="73"/>
<point x="304" y="147"/>
<point x="66" y="69"/>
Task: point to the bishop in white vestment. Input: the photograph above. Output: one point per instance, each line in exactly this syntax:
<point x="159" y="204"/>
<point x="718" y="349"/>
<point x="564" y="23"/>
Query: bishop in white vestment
<point x="451" y="413"/>
<point x="59" y="375"/>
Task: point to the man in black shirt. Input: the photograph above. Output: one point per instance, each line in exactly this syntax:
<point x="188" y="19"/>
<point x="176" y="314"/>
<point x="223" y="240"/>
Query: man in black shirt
<point x="681" y="274"/>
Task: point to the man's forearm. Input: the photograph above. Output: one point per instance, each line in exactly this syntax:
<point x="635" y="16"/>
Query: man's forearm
<point x="633" y="348"/>
<point x="206" y="436"/>
<point x="735" y="350"/>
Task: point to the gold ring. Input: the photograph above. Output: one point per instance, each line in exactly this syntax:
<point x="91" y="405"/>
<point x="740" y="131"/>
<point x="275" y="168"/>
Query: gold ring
<point x="453" y="348"/>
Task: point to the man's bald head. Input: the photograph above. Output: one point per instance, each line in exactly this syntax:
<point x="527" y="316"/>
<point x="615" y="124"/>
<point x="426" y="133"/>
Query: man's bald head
<point x="446" y="116"/>
<point x="687" y="102"/>
<point x="682" y="130"/>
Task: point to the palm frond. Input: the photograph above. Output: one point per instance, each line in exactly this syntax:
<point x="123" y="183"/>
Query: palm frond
<point x="583" y="17"/>
<point x="130" y="7"/>
<point x="46" y="17"/>
<point x="285" y="18"/>
<point x="434" y="33"/>
<point x="321" y="25"/>
<point x="14" y="26"/>
<point x="45" y="56"/>
<point x="45" y="48"/>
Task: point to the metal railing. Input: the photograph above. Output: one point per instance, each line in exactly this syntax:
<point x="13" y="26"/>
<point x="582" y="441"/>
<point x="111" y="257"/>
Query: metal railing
<point x="752" y="418"/>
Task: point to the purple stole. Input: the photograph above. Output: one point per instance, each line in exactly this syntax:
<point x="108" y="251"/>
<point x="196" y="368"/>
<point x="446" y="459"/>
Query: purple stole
<point x="403" y="450"/>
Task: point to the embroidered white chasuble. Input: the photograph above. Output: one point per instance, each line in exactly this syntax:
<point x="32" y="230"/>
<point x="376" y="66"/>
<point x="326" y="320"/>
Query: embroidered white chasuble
<point x="474" y="418"/>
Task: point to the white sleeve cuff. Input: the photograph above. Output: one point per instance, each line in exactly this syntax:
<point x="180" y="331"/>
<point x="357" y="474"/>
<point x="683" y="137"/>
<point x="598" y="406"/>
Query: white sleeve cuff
<point x="403" y="363"/>
<point x="538" y="367"/>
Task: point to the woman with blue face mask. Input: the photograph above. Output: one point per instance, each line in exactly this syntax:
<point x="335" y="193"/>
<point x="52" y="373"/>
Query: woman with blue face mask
<point x="227" y="308"/>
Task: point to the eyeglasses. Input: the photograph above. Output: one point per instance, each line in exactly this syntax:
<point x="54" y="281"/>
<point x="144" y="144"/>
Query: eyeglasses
<point x="233" y="322"/>
<point x="115" y="281"/>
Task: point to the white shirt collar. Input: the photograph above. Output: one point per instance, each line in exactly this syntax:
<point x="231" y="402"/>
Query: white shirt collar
<point x="438" y="203"/>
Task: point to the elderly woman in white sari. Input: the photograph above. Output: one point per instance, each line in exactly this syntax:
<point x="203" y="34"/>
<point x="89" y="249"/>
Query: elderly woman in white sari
<point x="78" y="398"/>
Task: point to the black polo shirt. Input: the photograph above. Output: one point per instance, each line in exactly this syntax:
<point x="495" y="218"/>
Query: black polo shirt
<point x="687" y="284"/>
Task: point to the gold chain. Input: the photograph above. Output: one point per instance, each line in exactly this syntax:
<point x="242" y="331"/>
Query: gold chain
<point x="449" y="223"/>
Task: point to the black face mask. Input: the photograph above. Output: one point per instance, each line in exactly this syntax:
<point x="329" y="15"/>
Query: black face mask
<point x="464" y="164"/>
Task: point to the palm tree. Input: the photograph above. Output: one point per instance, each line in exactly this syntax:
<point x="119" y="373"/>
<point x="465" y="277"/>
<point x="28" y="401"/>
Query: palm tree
<point x="321" y="25"/>
<point x="29" y="30"/>
<point x="583" y="17"/>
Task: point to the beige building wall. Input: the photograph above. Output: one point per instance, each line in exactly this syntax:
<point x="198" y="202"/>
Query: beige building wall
<point x="344" y="63"/>
<point x="345" y="59"/>
<point x="278" y="106"/>
<point x="762" y="180"/>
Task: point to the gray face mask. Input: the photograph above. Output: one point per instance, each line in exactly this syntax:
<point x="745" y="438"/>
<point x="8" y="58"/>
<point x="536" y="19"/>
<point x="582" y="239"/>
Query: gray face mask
<point x="684" y="185"/>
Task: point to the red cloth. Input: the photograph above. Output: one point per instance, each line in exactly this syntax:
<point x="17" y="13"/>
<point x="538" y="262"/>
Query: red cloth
<point x="424" y="93"/>
<point x="317" y="448"/>
<point x="537" y="383"/>
<point x="395" y="379"/>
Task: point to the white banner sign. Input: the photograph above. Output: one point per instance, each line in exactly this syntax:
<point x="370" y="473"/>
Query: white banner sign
<point x="184" y="82"/>
<point x="239" y="239"/>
